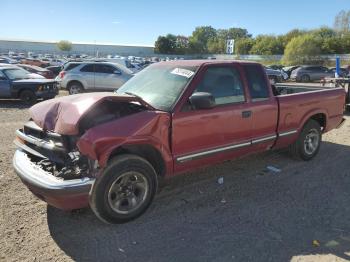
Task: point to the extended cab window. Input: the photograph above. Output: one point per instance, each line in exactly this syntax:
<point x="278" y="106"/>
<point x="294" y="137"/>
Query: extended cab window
<point x="224" y="83"/>
<point x="257" y="83"/>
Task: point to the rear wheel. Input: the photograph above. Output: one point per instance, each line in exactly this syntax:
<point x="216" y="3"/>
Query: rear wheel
<point x="309" y="141"/>
<point x="75" y="88"/>
<point x="28" y="97"/>
<point x="305" y="78"/>
<point x="125" y="189"/>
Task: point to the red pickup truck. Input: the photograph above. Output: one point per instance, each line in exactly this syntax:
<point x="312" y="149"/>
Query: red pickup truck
<point x="109" y="150"/>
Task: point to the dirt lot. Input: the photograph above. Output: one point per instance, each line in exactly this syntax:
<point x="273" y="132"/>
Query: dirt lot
<point x="252" y="216"/>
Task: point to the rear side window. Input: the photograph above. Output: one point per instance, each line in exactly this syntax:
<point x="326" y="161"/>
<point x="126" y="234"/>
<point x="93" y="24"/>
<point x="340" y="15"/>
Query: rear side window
<point x="106" y="69"/>
<point x="224" y="83"/>
<point x="87" y="68"/>
<point x="70" y="66"/>
<point x="257" y="83"/>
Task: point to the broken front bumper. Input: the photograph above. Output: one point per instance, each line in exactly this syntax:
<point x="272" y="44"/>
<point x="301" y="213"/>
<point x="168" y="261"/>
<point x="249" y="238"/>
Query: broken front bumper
<point x="63" y="194"/>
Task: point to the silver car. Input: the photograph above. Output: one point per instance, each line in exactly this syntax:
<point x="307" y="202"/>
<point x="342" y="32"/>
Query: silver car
<point x="310" y="73"/>
<point x="93" y="76"/>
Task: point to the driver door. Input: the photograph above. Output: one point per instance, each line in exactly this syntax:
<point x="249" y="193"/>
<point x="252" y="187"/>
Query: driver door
<point x="205" y="136"/>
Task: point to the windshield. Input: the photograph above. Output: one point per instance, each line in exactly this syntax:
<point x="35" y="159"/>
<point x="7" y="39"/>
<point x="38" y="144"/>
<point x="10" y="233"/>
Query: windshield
<point x="16" y="74"/>
<point x="159" y="85"/>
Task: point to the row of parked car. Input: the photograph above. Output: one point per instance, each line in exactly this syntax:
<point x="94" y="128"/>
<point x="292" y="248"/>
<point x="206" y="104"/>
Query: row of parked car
<point x="30" y="83"/>
<point x="109" y="74"/>
<point x="304" y="73"/>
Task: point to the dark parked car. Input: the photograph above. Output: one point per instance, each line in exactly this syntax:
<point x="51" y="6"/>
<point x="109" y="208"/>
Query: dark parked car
<point x="310" y="73"/>
<point x="343" y="72"/>
<point x="38" y="70"/>
<point x="289" y="69"/>
<point x="275" y="67"/>
<point x="275" y="76"/>
<point x="14" y="83"/>
<point x="54" y="69"/>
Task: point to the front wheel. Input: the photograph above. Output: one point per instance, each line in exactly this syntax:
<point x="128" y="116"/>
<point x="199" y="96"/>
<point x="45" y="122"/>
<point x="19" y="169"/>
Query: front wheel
<point x="75" y="88"/>
<point x="28" y="97"/>
<point x="305" y="78"/>
<point x="309" y="141"/>
<point x="125" y="189"/>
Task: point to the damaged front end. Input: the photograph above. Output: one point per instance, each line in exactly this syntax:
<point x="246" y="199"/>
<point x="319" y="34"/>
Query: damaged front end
<point x="54" y="153"/>
<point x="48" y="160"/>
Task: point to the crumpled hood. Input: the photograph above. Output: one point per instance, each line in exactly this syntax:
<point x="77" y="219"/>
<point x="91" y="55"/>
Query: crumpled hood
<point x="62" y="115"/>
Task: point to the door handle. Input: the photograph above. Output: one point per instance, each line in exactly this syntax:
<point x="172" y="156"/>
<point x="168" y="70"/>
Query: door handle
<point x="246" y="114"/>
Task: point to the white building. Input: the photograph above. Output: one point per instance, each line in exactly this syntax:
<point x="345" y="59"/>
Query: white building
<point x="44" y="47"/>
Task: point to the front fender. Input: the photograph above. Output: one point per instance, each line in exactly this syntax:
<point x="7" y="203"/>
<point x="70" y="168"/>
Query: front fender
<point x="144" y="128"/>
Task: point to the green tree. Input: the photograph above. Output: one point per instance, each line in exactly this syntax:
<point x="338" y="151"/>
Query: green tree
<point x="284" y="39"/>
<point x="64" y="45"/>
<point x="233" y="33"/>
<point x="342" y="21"/>
<point x="243" y="46"/>
<point x="163" y="45"/>
<point x="200" y="37"/>
<point x="267" y="45"/>
<point x="181" y="45"/>
<point x="302" y="49"/>
<point x="331" y="45"/>
<point x="324" y="32"/>
<point x="172" y="41"/>
<point x="217" y="44"/>
<point x="345" y="40"/>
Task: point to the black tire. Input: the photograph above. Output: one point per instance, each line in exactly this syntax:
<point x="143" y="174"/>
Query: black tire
<point x="28" y="97"/>
<point x="301" y="149"/>
<point x="305" y="78"/>
<point x="75" y="88"/>
<point x="103" y="191"/>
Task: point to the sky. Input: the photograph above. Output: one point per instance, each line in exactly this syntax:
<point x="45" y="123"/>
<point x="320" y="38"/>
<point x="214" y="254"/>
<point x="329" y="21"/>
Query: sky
<point x="137" y="22"/>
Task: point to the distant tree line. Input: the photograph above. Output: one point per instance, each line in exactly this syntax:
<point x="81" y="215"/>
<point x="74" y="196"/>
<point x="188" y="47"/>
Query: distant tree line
<point x="294" y="45"/>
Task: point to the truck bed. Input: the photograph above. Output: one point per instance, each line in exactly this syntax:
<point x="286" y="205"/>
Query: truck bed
<point x="286" y="89"/>
<point x="297" y="104"/>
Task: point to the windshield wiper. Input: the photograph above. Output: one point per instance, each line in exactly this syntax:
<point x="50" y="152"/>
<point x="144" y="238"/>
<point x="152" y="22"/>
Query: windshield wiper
<point x="143" y="102"/>
<point x="132" y="94"/>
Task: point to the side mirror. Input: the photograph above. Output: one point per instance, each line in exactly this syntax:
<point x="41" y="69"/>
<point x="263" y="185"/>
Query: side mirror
<point x="117" y="72"/>
<point x="202" y="100"/>
<point x="2" y="78"/>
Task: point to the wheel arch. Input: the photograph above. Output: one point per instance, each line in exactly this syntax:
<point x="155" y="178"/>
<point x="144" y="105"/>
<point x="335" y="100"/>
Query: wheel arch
<point x="21" y="90"/>
<point x="320" y="117"/>
<point x="70" y="82"/>
<point x="146" y="151"/>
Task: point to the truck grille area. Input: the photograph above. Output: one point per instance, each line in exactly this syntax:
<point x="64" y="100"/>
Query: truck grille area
<point x="52" y="152"/>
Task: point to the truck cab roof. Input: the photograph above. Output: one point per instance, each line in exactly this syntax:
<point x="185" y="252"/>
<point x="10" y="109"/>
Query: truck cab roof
<point x="201" y="62"/>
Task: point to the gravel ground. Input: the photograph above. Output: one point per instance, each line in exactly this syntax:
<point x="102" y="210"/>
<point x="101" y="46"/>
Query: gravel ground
<point x="299" y="214"/>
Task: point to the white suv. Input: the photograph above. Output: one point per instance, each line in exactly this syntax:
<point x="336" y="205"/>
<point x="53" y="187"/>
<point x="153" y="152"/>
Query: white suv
<point x="78" y="77"/>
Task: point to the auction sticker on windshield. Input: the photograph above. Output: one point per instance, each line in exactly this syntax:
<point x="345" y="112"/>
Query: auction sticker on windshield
<point x="182" y="72"/>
